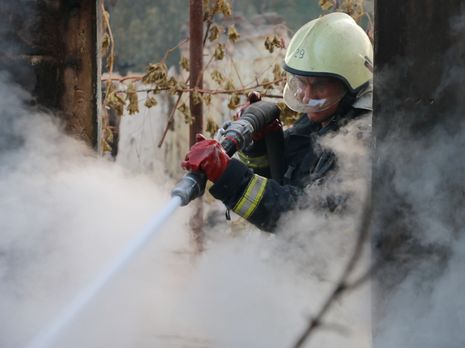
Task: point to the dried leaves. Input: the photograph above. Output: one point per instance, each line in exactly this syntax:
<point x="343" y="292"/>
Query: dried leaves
<point x="156" y="74"/>
<point x="106" y="42"/>
<point x="233" y="35"/>
<point x="219" y="52"/>
<point x="327" y="4"/>
<point x="132" y="98"/>
<point x="186" y="111"/>
<point x="287" y="116"/>
<point x="224" y="7"/>
<point x="354" y="8"/>
<point x="212" y="127"/>
<point x="272" y="42"/>
<point x="214" y="32"/>
<point x="234" y="101"/>
<point x="217" y="77"/>
<point x="184" y="63"/>
<point x="150" y="102"/>
<point x="216" y="7"/>
<point x="196" y="97"/>
<point x="278" y="74"/>
<point x="115" y="100"/>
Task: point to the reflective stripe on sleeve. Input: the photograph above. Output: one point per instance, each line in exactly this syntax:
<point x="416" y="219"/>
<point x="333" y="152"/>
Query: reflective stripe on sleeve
<point x="254" y="162"/>
<point x="252" y="197"/>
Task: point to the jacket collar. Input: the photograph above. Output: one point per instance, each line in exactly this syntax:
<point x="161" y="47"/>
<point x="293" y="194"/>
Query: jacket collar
<point x="364" y="99"/>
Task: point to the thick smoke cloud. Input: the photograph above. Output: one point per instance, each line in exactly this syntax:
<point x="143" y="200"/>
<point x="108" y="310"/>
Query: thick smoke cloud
<point x="65" y="213"/>
<point x="264" y="288"/>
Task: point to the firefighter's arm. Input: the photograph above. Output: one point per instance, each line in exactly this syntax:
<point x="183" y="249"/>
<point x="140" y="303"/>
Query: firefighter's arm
<point x="257" y="199"/>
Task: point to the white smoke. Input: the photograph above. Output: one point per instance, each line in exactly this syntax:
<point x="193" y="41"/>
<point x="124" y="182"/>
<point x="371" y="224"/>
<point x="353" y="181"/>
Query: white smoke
<point x="429" y="312"/>
<point x="423" y="306"/>
<point x="66" y="213"/>
<point x="263" y="289"/>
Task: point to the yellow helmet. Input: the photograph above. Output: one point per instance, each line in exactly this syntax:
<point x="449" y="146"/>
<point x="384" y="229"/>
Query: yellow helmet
<point x="332" y="45"/>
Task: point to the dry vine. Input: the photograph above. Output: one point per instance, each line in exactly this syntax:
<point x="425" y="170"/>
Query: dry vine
<point x="121" y="93"/>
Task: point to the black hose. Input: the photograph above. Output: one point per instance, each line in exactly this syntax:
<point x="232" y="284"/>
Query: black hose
<point x="260" y="114"/>
<point x="274" y="142"/>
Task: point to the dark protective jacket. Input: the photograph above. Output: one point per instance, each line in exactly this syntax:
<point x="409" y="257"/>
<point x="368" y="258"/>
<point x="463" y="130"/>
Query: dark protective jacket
<point x="261" y="200"/>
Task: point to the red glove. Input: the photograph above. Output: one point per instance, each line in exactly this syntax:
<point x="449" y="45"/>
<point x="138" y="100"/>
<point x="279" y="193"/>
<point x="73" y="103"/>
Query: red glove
<point x="206" y="156"/>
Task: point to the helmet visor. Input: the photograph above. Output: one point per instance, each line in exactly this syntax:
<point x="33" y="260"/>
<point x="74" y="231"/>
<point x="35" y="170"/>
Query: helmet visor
<point x="312" y="93"/>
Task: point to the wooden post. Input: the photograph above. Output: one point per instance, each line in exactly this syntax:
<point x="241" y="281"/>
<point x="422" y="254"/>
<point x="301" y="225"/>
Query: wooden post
<point x="51" y="49"/>
<point x="196" y="64"/>
<point x="81" y="68"/>
<point x="196" y="82"/>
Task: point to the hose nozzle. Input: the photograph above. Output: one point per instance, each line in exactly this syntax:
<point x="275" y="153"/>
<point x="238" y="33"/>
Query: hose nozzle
<point x="191" y="186"/>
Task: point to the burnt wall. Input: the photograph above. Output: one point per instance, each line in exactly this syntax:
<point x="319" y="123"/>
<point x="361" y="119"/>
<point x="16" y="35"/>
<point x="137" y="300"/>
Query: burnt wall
<point x="419" y="127"/>
<point x="31" y="48"/>
<point x="50" y="49"/>
<point x="417" y="45"/>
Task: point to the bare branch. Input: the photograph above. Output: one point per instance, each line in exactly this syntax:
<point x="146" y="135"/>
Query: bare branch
<point x="170" y="119"/>
<point x="137" y="77"/>
<point x="224" y="91"/>
<point x="342" y="285"/>
<point x="172" y="49"/>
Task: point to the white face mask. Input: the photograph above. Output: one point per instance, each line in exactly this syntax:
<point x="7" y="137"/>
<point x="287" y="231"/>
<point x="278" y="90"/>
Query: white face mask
<point x="317" y="103"/>
<point x="301" y="93"/>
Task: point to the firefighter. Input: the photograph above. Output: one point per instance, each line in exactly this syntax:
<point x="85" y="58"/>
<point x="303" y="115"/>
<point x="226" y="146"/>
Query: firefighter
<point x="329" y="70"/>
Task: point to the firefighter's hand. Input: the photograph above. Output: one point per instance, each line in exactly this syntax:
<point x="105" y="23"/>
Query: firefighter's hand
<point x="252" y="97"/>
<point x="206" y="156"/>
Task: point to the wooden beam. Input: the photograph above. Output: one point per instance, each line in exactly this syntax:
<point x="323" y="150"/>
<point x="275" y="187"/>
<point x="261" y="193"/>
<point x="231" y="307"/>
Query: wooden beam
<point x="80" y="70"/>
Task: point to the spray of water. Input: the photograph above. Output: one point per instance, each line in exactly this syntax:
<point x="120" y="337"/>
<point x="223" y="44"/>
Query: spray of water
<point x="48" y="336"/>
<point x="65" y="215"/>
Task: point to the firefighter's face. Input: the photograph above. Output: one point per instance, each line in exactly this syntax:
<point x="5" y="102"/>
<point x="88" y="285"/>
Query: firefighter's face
<point x="324" y="93"/>
<point x="317" y="96"/>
